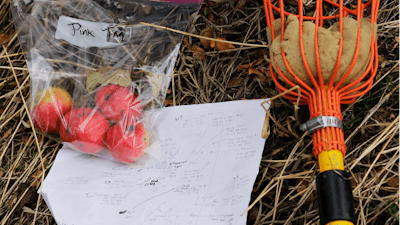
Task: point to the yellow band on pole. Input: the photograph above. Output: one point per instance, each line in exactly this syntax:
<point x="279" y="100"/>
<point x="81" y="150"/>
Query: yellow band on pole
<point x="330" y="160"/>
<point x="340" y="222"/>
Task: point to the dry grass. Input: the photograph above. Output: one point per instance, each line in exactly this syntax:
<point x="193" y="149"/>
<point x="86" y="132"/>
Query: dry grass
<point x="371" y="124"/>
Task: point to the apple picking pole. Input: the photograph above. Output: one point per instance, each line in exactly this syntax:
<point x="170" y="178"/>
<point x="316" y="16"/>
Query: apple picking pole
<point x="324" y="97"/>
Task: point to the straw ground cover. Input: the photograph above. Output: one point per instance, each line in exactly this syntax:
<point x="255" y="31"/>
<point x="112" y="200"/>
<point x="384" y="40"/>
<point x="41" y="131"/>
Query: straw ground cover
<point x="208" y="72"/>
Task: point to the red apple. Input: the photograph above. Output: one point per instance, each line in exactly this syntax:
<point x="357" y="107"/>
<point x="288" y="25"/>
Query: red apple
<point x="117" y="102"/>
<point x="127" y="141"/>
<point x="50" y="105"/>
<point x="84" y="129"/>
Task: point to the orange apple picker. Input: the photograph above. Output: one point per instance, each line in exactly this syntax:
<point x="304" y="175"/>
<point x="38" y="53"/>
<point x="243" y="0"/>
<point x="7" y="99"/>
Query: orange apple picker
<point x="332" y="66"/>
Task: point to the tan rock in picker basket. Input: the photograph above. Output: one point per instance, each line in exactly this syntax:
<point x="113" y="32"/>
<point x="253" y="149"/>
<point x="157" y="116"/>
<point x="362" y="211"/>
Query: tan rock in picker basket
<point x="328" y="40"/>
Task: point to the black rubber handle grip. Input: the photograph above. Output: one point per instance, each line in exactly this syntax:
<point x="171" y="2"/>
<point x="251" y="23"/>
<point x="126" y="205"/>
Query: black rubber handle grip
<point x="335" y="197"/>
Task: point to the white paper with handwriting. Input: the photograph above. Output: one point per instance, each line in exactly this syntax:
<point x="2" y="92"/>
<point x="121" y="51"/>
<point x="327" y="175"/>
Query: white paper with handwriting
<point x="211" y="158"/>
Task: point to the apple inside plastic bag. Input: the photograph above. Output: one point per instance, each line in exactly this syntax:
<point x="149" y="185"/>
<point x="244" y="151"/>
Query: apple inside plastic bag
<point x="98" y="76"/>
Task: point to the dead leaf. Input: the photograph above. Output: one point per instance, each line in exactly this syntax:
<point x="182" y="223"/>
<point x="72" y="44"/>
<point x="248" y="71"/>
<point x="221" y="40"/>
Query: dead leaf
<point x="262" y="73"/>
<point x="26" y="139"/>
<point x="381" y="59"/>
<point x="221" y="46"/>
<point x="210" y="16"/>
<point x="235" y="81"/>
<point x="207" y="32"/>
<point x="212" y="44"/>
<point x="211" y="3"/>
<point x="353" y="183"/>
<point x="169" y="91"/>
<point x="303" y="186"/>
<point x="265" y="72"/>
<point x="309" y="164"/>
<point x="292" y="2"/>
<point x="244" y="66"/>
<point x="121" y="76"/>
<point x="28" y="199"/>
<point x="107" y="75"/>
<point x="186" y="43"/>
<point x="241" y="4"/>
<point x="41" y="139"/>
<point x="393" y="182"/>
<point x="253" y="213"/>
<point x="254" y="63"/>
<point x="243" y="99"/>
<point x="198" y="53"/>
<point x="263" y="52"/>
<point x="1" y="110"/>
<point x="258" y="61"/>
<point x="254" y="70"/>
<point x="1" y="173"/>
<point x="280" y="133"/>
<point x="4" y="38"/>
<point x="37" y="174"/>
<point x="311" y="13"/>
<point x="356" y="179"/>
<point x="26" y="124"/>
<point x="168" y="102"/>
<point x="265" y="77"/>
<point x="7" y="133"/>
<point x="266" y="130"/>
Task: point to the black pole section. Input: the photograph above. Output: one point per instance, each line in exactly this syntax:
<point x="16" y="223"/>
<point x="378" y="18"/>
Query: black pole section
<point x="335" y="197"/>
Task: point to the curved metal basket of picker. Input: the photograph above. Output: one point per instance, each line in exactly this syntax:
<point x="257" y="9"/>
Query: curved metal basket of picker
<point x="332" y="66"/>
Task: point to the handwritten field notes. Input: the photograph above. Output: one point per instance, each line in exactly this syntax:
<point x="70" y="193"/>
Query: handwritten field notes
<point x="211" y="156"/>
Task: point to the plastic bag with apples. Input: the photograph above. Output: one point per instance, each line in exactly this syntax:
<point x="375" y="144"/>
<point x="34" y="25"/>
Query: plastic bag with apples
<point x="98" y="76"/>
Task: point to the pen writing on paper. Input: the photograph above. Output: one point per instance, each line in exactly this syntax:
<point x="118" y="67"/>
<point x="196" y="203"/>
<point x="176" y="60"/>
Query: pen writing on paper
<point x="152" y="198"/>
<point x="202" y="172"/>
<point x="211" y="177"/>
<point x="157" y="209"/>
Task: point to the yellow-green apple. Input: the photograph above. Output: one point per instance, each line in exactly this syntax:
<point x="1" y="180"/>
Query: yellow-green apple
<point x="49" y="106"/>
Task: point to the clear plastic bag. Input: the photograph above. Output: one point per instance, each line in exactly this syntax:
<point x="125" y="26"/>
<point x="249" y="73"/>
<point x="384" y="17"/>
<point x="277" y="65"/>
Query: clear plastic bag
<point x="97" y="75"/>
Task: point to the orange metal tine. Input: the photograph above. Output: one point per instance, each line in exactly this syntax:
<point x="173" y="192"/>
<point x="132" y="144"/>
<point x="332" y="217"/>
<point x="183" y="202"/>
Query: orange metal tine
<point x="303" y="55"/>
<point x="309" y="91"/>
<point x="304" y="99"/>
<point x="270" y="19"/>
<point x="353" y="62"/>
<point x="325" y="99"/>
<point x="334" y="93"/>
<point x="347" y="11"/>
<point x="373" y="58"/>
<point x="318" y="13"/>
<point x="340" y="45"/>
